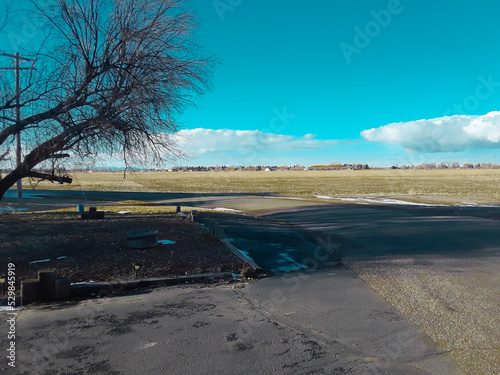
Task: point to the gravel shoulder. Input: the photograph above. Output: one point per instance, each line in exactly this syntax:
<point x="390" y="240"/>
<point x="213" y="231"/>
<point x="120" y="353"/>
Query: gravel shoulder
<point x="454" y="303"/>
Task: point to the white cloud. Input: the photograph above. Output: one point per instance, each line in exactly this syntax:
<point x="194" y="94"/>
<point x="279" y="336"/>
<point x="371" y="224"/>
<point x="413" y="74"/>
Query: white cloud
<point x="206" y="141"/>
<point x="444" y="134"/>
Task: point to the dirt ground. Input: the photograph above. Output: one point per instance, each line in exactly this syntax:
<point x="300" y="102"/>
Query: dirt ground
<point x="97" y="249"/>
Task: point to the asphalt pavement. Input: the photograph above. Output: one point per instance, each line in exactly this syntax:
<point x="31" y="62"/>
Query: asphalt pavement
<point x="374" y="231"/>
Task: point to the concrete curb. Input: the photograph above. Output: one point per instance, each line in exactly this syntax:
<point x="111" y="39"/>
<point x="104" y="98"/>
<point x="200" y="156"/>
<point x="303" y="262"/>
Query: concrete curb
<point x="4" y="303"/>
<point x="218" y="233"/>
<point x="239" y="253"/>
<point x="108" y="288"/>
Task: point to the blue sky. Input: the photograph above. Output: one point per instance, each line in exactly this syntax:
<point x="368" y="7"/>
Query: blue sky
<point x="363" y="81"/>
<point x="334" y="69"/>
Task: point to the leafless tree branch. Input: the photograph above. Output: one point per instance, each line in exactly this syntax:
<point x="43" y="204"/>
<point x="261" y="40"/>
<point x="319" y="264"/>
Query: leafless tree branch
<point x="112" y="78"/>
<point x="50" y="177"/>
<point x="6" y="7"/>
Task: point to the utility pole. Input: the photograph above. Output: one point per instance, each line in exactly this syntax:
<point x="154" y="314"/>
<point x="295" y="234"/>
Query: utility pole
<point x="17" y="68"/>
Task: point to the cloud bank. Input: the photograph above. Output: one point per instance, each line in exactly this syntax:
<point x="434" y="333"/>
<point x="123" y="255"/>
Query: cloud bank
<point x="205" y="141"/>
<point x="444" y="134"/>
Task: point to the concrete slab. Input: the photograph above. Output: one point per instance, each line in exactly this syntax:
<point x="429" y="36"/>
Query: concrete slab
<point x="337" y="307"/>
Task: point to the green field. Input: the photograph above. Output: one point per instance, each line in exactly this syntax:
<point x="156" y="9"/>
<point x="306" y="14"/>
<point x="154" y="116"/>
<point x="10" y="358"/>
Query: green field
<point x="430" y="186"/>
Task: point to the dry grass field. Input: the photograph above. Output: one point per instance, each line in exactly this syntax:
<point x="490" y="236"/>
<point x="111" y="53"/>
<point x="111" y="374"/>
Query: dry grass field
<point x="480" y="186"/>
<point x="453" y="306"/>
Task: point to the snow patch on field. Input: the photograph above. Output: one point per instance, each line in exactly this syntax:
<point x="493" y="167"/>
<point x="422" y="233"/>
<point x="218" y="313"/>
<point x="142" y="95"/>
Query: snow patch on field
<point x="364" y="200"/>
<point x="222" y="209"/>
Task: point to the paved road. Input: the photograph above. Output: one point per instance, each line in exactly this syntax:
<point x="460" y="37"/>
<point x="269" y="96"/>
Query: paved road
<point x="392" y="231"/>
<point x="70" y="197"/>
<point x="319" y="236"/>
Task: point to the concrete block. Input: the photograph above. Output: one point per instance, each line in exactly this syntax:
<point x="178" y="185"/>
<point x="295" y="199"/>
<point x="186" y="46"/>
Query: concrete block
<point x="193" y="214"/>
<point x="62" y="287"/>
<point x="190" y="216"/>
<point x="30" y="291"/>
<point x="47" y="284"/>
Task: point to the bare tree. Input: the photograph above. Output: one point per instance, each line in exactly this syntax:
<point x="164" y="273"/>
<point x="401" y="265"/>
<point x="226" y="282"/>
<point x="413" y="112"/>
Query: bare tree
<point x="111" y="78"/>
<point x="4" y="155"/>
<point x="6" y="10"/>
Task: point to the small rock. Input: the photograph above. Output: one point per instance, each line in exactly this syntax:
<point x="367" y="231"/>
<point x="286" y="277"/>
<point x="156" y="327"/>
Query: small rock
<point x="248" y="273"/>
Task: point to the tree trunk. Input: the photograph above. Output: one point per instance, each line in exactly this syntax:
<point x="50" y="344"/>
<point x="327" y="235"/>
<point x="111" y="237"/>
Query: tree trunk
<point x="7" y="182"/>
<point x="11" y="179"/>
